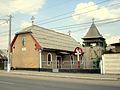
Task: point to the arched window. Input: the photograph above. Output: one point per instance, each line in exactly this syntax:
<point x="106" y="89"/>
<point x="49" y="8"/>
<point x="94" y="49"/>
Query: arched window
<point x="23" y="39"/>
<point x="49" y="58"/>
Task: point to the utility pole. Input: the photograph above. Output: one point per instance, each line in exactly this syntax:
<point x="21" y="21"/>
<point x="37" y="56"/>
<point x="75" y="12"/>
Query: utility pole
<point x="9" y="44"/>
<point x="9" y="41"/>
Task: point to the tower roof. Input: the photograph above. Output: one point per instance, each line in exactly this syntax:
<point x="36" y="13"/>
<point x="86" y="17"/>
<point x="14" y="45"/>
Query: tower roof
<point x="93" y="32"/>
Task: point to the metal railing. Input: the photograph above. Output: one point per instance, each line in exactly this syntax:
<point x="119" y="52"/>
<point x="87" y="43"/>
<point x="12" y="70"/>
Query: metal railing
<point x="60" y="65"/>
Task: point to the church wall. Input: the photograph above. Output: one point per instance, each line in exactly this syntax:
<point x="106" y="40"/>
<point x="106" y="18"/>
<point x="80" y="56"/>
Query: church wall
<point x="44" y="60"/>
<point x="65" y="64"/>
<point x="24" y="56"/>
<point x="66" y="61"/>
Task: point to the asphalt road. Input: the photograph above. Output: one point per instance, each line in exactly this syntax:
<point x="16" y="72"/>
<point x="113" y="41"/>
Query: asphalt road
<point x="51" y="83"/>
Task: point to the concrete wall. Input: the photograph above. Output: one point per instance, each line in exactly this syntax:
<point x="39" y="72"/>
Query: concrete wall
<point x="90" y="56"/>
<point x="110" y="64"/>
<point x="25" y="56"/>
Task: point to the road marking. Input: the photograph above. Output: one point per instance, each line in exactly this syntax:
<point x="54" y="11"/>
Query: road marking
<point x="4" y="82"/>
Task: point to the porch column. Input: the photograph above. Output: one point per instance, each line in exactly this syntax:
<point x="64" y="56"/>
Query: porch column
<point x="40" y="59"/>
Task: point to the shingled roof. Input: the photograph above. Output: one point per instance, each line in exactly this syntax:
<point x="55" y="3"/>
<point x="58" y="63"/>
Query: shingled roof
<point x="93" y="32"/>
<point x="52" y="39"/>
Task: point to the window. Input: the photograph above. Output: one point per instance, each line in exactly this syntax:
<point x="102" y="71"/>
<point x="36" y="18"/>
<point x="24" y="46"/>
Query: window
<point x="23" y="39"/>
<point x="49" y="58"/>
<point x="72" y="59"/>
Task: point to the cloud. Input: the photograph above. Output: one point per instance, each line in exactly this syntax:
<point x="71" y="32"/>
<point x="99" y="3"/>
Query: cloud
<point x="22" y="6"/>
<point x="112" y="39"/>
<point x="25" y="24"/>
<point x="85" y="11"/>
<point x="4" y="24"/>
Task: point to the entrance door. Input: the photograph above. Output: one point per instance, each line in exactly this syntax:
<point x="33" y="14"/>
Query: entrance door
<point x="59" y="62"/>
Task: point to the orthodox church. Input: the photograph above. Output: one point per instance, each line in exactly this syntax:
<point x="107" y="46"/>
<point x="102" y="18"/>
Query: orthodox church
<point x="38" y="48"/>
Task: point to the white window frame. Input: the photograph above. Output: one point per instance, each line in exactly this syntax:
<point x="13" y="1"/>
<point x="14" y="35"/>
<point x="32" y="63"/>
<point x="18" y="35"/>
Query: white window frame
<point x="50" y="60"/>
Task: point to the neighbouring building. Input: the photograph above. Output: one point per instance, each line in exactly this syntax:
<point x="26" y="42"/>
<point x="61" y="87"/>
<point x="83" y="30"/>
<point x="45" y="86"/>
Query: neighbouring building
<point x="94" y="46"/>
<point x="117" y="46"/>
<point x="39" y="48"/>
<point x="110" y="63"/>
<point x="3" y="58"/>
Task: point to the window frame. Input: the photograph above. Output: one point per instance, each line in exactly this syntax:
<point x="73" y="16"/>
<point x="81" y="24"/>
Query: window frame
<point x="49" y="62"/>
<point x="24" y="39"/>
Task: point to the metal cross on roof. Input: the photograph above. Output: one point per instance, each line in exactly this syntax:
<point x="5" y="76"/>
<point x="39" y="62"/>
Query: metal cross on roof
<point x="32" y="19"/>
<point x="93" y="19"/>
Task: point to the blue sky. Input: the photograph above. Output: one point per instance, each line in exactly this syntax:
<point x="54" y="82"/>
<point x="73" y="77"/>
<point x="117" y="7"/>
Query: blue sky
<point x="65" y="14"/>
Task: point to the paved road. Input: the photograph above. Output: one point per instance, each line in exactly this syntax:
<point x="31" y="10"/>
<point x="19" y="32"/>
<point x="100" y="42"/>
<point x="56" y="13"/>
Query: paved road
<point x="49" y="83"/>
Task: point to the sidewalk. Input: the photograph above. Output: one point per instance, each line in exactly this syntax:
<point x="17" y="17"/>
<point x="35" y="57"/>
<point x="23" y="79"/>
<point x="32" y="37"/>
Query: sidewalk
<point x="65" y="75"/>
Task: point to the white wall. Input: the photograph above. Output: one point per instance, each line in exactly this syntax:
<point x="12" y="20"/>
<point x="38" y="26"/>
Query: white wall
<point x="110" y="64"/>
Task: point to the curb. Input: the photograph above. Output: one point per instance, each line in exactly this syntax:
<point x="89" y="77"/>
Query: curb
<point x="71" y="77"/>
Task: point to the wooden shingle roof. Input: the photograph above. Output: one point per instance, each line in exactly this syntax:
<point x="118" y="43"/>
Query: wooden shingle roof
<point x="52" y="39"/>
<point x="93" y="33"/>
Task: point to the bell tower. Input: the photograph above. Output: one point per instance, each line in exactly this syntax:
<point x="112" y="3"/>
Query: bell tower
<point x="94" y="46"/>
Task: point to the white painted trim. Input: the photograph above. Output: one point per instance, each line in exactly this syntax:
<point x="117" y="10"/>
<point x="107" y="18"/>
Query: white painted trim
<point x="40" y="62"/>
<point x="47" y="58"/>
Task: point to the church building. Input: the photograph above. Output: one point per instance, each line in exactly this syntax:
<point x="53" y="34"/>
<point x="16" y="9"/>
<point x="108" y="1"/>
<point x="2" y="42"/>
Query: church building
<point x="39" y="48"/>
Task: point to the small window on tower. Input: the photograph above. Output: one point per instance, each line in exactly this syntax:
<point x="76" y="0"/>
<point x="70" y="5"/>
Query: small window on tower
<point x="23" y="39"/>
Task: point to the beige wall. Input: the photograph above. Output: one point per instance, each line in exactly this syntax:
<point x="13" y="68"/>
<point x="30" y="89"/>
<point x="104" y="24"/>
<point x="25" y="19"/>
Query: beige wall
<point x="25" y="56"/>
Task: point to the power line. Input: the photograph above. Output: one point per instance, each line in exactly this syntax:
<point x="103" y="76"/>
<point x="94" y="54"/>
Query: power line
<point x="100" y="24"/>
<point x="2" y="23"/>
<point x="73" y="15"/>
<point x="82" y="24"/>
<point x="72" y="11"/>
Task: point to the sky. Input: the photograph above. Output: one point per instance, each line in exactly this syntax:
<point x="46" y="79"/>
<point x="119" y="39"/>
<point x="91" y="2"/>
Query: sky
<point x="74" y="16"/>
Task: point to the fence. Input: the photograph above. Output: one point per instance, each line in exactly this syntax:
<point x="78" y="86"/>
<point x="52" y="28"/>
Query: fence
<point x="110" y="64"/>
<point x="60" y="65"/>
